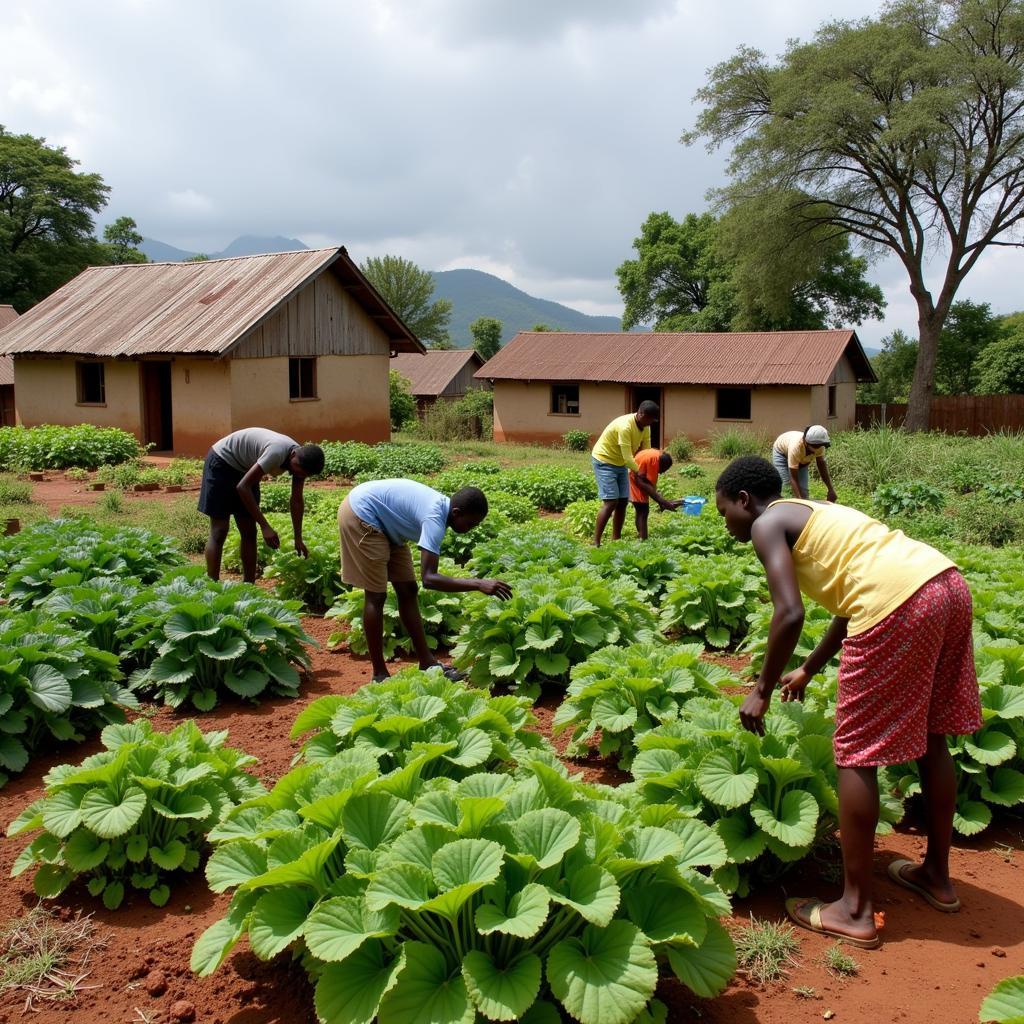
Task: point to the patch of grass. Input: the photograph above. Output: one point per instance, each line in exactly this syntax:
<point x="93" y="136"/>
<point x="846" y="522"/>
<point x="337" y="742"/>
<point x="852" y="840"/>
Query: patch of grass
<point x="111" y="503"/>
<point x="839" y="962"/>
<point x="14" y="492"/>
<point x="765" y="950"/>
<point x="46" y="958"/>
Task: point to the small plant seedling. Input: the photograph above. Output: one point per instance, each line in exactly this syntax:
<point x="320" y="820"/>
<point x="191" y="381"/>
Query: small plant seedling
<point x="765" y="949"/>
<point x="805" y="991"/>
<point x="839" y="963"/>
<point x="1005" y="851"/>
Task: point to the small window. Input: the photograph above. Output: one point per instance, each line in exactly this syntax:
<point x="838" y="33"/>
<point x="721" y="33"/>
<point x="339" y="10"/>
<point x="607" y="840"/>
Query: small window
<point x="565" y="399"/>
<point x="301" y="378"/>
<point x="732" y="404"/>
<point x="92" y="388"/>
<point x="831" y="401"/>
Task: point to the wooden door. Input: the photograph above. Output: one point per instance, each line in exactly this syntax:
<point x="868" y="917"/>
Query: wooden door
<point x="156" y="406"/>
<point x="638" y="394"/>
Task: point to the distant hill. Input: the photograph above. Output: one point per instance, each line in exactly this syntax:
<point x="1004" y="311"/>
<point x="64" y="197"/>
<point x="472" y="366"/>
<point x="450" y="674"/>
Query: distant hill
<point x="244" y="245"/>
<point x="474" y="294"/>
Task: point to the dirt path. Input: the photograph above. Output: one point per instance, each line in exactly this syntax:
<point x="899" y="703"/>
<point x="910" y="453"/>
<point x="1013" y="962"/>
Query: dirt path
<point x="932" y="969"/>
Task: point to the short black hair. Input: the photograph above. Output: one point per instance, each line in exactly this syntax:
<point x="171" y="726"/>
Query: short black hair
<point x="649" y="408"/>
<point x="311" y="458"/>
<point x="470" y="500"/>
<point x="750" y="473"/>
<point x="664" y="461"/>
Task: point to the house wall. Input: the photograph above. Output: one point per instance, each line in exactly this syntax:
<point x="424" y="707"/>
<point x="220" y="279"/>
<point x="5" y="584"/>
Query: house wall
<point x="522" y="411"/>
<point x="47" y="392"/>
<point x="464" y="381"/>
<point x="352" y="402"/>
<point x="690" y="410"/>
<point x="200" y="404"/>
<point x="845" y="381"/>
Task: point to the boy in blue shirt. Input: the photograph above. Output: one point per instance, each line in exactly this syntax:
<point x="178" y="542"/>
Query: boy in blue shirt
<point x="377" y="521"/>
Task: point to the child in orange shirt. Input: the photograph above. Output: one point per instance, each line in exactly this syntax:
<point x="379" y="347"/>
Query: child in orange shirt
<point x="644" y="486"/>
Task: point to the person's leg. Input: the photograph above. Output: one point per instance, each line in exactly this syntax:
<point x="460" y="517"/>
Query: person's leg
<point x="782" y="468"/>
<point x="604" y="513"/>
<point x="641" y="510"/>
<point x="618" y="518"/>
<point x="215" y="546"/>
<point x="247" y="528"/>
<point x="409" y="613"/>
<point x="804" y="476"/>
<point x="373" y="630"/>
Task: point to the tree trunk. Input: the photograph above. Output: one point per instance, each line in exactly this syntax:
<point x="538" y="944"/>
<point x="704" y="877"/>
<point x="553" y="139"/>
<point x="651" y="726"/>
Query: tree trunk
<point x="922" y="388"/>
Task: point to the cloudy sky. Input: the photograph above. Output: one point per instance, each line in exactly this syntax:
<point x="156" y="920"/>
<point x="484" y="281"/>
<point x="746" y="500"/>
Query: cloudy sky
<point x="528" y="138"/>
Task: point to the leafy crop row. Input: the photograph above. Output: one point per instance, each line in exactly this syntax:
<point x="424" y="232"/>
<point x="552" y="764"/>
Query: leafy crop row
<point x="50" y="447"/>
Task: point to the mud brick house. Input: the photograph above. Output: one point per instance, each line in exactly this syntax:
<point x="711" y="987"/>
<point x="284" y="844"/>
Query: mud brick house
<point x="182" y="353"/>
<point x="444" y="374"/>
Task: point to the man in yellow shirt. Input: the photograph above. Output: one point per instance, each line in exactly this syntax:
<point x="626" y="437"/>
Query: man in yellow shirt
<point x="613" y="458"/>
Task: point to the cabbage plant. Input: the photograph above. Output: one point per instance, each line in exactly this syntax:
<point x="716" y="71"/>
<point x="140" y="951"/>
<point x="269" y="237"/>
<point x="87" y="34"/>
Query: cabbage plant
<point x="413" y="899"/>
<point x="131" y="816"/>
<point x="626" y="691"/>
<point x="399" y="718"/>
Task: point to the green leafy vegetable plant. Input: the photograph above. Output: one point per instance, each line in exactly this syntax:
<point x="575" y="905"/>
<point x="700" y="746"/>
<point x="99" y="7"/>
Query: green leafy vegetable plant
<point x="133" y="814"/>
<point x="550" y="487"/>
<point x="652" y="565"/>
<point x="525" y="550"/>
<point x="712" y="600"/>
<point x="816" y="623"/>
<point x="576" y="440"/>
<point x="626" y="691"/>
<point x="314" y="580"/>
<point x="414" y="899"/>
<point x="901" y="498"/>
<point x="52" y="447"/>
<point x="1005" y="1003"/>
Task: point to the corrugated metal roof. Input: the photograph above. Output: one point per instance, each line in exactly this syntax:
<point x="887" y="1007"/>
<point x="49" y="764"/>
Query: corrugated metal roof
<point x="8" y="314"/>
<point x="430" y="374"/>
<point x="174" y="308"/>
<point x="782" y="357"/>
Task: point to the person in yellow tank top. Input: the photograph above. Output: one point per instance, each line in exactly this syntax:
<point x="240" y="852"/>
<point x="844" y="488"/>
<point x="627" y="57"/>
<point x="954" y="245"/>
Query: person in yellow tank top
<point x="906" y="673"/>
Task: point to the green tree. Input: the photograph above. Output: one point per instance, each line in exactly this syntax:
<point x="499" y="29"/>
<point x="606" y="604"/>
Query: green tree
<point x="408" y="290"/>
<point x="542" y="328"/>
<point x="970" y="328"/>
<point x="442" y="344"/>
<point x="905" y="130"/>
<point x="403" y="405"/>
<point x="894" y="368"/>
<point x="46" y="218"/>
<point x="486" y="331"/>
<point x="122" y="240"/>
<point x="739" y="273"/>
<point x="1000" y="368"/>
<point x="200" y="257"/>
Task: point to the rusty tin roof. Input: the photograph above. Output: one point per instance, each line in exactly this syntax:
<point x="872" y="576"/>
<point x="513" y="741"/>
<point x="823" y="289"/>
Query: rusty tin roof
<point x="430" y="374"/>
<point x="8" y="315"/>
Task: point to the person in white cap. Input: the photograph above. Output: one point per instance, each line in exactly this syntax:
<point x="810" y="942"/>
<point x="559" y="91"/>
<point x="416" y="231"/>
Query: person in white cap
<point x="794" y="451"/>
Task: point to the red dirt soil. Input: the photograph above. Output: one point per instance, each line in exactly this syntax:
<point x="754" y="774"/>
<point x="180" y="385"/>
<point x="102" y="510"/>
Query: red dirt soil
<point x="933" y="968"/>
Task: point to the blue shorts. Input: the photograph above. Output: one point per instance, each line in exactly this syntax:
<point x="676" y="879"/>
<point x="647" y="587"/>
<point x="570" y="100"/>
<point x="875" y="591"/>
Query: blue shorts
<point x="782" y="468"/>
<point x="612" y="481"/>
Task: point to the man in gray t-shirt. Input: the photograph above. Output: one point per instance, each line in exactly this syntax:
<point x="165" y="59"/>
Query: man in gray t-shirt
<point x="234" y="467"/>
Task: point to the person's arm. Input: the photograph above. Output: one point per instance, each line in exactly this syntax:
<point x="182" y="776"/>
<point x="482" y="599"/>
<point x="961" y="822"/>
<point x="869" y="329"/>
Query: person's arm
<point x="247" y="495"/>
<point x="297" y="507"/>
<point x="626" y="450"/>
<point x="787" y="620"/>
<point x="434" y="580"/>
<point x="794" y="683"/>
<point x="645" y="486"/>
<point x="825" y="478"/>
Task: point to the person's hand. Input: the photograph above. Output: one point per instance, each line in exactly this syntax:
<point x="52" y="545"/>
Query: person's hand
<point x="674" y="505"/>
<point x="831" y="496"/>
<point x="752" y="711"/>
<point x="793" y="684"/>
<point x="302" y="549"/>
<point x="270" y="537"/>
<point x="496" y="588"/>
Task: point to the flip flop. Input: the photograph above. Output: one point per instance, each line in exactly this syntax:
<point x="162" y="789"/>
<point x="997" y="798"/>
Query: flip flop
<point x="895" y="870"/>
<point x="814" y="923"/>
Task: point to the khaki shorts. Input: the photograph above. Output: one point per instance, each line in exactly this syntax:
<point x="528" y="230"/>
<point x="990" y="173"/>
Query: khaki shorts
<point x="368" y="558"/>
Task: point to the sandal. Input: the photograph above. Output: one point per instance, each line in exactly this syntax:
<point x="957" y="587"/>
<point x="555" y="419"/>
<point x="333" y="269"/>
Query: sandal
<point x="895" y="870"/>
<point x="813" y="923"/>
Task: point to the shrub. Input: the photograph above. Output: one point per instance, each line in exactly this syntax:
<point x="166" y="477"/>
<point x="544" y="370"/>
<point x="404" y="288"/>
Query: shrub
<point x="977" y="519"/>
<point x="576" y="440"/>
<point x="692" y="472"/>
<point x="51" y="447"/>
<point x="134" y="813"/>
<point x="550" y="487"/>
<point x="470" y="418"/>
<point x="425" y="899"/>
<point x="681" y="449"/>
<point x="401" y="401"/>
<point x="400" y="719"/>
<point x="731" y="444"/>
<point x="908" y="498"/>
<point x="14" y="492"/>
<point x="197" y="638"/>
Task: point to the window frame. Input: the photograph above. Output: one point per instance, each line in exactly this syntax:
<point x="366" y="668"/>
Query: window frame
<point x="296" y="364"/>
<point x="719" y="392"/>
<point x="553" y="396"/>
<point x="80" y="383"/>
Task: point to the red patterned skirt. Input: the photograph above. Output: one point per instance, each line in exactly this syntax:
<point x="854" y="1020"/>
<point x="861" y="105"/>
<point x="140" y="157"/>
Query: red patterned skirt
<point x="907" y="676"/>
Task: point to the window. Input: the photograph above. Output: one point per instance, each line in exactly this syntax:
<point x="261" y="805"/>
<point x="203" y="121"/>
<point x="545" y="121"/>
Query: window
<point x="732" y="404"/>
<point x="831" y="401"/>
<point x="92" y="388"/>
<point x="301" y="378"/>
<point x="565" y="399"/>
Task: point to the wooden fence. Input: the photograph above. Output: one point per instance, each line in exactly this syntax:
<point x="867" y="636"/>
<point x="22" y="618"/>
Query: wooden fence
<point x="955" y="414"/>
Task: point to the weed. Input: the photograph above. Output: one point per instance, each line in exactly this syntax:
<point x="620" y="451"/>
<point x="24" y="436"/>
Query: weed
<point x="839" y="962"/>
<point x="111" y="503"/>
<point x="730" y="444"/>
<point x="765" y="949"/>
<point x="14" y="492"/>
<point x="805" y="991"/>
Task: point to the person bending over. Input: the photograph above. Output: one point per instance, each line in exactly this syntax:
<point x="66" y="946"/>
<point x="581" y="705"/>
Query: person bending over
<point x="794" y="451"/>
<point x="232" y="472"/>
<point x="906" y="673"/>
<point x="612" y="459"/>
<point x="643" y="486"/>
<point x="377" y="521"/>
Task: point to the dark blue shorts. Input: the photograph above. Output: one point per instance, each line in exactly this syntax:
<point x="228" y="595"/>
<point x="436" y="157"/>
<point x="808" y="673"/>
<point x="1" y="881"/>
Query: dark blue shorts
<point x="218" y="493"/>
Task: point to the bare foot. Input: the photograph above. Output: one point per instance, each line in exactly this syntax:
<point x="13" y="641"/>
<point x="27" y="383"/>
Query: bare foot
<point x="836" y="918"/>
<point x="940" y="889"/>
